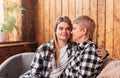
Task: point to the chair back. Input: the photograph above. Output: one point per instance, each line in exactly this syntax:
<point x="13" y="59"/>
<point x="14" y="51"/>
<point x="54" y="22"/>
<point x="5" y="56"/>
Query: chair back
<point x="16" y="65"/>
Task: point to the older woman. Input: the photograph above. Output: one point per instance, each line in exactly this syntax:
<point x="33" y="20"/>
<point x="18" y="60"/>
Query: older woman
<point x="85" y="63"/>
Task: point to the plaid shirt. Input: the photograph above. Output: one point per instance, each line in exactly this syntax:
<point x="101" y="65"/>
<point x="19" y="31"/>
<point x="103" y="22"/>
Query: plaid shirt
<point x="85" y="62"/>
<point x="41" y="65"/>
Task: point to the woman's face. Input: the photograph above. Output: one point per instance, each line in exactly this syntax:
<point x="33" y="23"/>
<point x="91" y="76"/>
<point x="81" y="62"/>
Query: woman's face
<point x="63" y="31"/>
<point x="76" y="32"/>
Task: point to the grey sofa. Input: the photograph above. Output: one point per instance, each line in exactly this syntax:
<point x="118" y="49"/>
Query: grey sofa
<point x="16" y="65"/>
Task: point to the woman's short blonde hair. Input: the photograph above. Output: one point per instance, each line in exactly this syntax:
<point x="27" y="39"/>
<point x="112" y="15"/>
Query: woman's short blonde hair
<point x="85" y="21"/>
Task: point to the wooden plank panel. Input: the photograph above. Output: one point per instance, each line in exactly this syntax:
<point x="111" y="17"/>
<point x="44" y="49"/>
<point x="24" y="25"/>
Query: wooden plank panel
<point x="116" y="52"/>
<point x="39" y="22"/>
<point x="72" y="10"/>
<point x="65" y="7"/>
<point x="86" y="7"/>
<point x="101" y="23"/>
<point x="28" y="20"/>
<point x="109" y="26"/>
<point x="46" y="21"/>
<point x="58" y="8"/>
<point x="93" y="15"/>
<point x="78" y="7"/>
<point x="52" y="17"/>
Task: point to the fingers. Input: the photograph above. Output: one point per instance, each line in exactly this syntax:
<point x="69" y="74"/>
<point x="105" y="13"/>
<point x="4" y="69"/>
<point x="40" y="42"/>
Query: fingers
<point x="101" y="52"/>
<point x="101" y="49"/>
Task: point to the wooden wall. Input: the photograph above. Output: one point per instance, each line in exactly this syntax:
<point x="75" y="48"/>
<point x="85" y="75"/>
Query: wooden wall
<point x="106" y="14"/>
<point x="28" y="20"/>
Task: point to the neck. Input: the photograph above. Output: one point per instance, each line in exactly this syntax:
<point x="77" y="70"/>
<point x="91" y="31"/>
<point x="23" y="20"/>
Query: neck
<point x="61" y="43"/>
<point x="82" y="39"/>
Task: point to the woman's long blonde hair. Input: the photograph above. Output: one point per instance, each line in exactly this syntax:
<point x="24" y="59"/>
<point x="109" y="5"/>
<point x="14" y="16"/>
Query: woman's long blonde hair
<point x="59" y="20"/>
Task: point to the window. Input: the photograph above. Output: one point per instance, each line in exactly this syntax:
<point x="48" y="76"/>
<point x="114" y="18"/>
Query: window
<point x="12" y="19"/>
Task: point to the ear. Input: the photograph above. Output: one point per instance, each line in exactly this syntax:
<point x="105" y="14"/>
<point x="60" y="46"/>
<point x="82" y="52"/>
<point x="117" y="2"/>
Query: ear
<point x="84" y="30"/>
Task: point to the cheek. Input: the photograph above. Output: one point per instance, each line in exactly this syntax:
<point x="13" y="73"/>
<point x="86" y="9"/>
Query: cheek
<point x="57" y="31"/>
<point x="75" y="32"/>
<point x="75" y="35"/>
<point x="57" y="34"/>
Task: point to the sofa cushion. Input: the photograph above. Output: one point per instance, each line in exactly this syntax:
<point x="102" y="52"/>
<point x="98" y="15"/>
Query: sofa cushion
<point x="111" y="69"/>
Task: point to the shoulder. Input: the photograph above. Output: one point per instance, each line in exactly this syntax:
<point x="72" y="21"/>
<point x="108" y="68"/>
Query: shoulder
<point x="88" y="44"/>
<point x="46" y="46"/>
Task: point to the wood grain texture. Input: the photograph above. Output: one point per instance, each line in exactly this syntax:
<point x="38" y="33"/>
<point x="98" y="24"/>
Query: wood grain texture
<point x="72" y="10"/>
<point x="40" y="17"/>
<point x="78" y="7"/>
<point x="58" y="8"/>
<point x="39" y="22"/>
<point x="52" y="17"/>
<point x="104" y="12"/>
<point x="65" y="7"/>
<point x="86" y="7"/>
<point x="109" y="25"/>
<point x="46" y="23"/>
<point x="116" y="41"/>
<point x="93" y="15"/>
<point x="101" y="23"/>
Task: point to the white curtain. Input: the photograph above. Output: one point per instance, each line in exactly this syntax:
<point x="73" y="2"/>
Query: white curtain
<point x="1" y="11"/>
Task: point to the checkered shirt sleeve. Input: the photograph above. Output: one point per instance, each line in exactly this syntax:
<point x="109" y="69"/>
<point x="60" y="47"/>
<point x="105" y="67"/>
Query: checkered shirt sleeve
<point x="41" y="63"/>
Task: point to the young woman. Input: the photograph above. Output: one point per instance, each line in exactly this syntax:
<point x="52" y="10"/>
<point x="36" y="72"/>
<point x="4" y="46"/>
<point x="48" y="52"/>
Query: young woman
<point x="52" y="57"/>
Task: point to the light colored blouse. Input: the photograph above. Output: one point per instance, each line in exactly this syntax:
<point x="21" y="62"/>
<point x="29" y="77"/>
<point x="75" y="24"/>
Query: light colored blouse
<point x="63" y="63"/>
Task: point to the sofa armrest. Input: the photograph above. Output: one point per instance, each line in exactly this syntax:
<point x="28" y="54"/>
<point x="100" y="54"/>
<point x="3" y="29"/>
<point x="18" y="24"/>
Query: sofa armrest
<point x="111" y="69"/>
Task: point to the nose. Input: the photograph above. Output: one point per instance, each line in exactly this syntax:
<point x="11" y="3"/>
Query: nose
<point x="64" y="30"/>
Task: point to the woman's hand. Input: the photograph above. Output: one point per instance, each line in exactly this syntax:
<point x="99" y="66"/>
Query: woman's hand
<point x="101" y="52"/>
